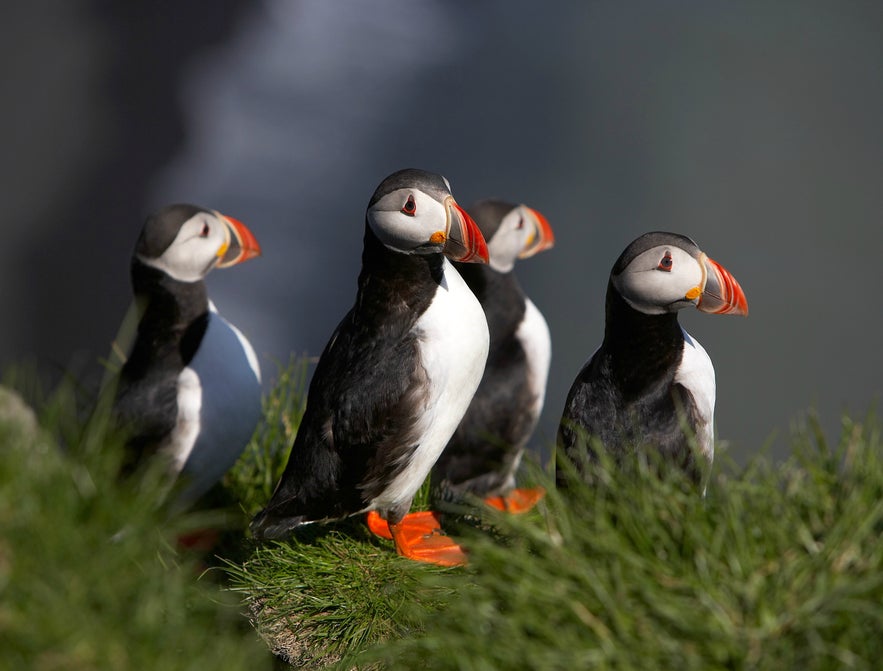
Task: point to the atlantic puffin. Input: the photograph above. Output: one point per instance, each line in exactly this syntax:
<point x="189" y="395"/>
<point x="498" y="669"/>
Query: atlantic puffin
<point x="650" y="385"/>
<point x="485" y="451"/>
<point x="190" y="388"/>
<point x="396" y="377"/>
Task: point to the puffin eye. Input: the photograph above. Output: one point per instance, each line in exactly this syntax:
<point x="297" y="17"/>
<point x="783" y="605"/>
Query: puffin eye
<point x="205" y="231"/>
<point x="666" y="263"/>
<point x="410" y="208"/>
<point x="520" y="223"/>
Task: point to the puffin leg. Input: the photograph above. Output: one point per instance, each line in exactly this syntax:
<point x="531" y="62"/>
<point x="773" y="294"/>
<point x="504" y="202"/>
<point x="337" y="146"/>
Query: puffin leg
<point x="419" y="536"/>
<point x="377" y="525"/>
<point x="517" y="500"/>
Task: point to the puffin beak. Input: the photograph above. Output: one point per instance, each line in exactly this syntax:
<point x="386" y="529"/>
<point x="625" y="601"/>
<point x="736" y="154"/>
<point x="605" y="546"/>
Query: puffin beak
<point x="722" y="294"/>
<point x="242" y="245"/>
<point x="464" y="241"/>
<point x="541" y="238"/>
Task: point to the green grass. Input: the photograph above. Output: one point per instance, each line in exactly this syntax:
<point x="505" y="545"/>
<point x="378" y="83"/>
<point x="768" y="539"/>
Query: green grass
<point x="779" y="567"/>
<point x="90" y="576"/>
<point x="251" y="481"/>
<point x="331" y="593"/>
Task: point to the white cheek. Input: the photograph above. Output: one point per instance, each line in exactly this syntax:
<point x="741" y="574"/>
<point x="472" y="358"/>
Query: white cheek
<point x="190" y="257"/>
<point x="647" y="291"/>
<point x="401" y="232"/>
<point x="652" y="291"/>
<point x="394" y="229"/>
<point x="507" y="243"/>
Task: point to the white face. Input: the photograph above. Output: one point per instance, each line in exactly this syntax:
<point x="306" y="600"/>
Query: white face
<point x="509" y="240"/>
<point x="201" y="242"/>
<point x="661" y="279"/>
<point x="405" y="220"/>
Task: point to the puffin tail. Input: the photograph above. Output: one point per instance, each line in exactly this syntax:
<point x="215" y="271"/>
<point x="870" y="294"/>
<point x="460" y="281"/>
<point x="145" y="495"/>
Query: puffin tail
<point x="266" y="526"/>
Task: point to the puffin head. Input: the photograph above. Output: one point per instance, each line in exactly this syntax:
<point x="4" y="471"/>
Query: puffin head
<point x="186" y="242"/>
<point x="413" y="212"/>
<point x="664" y="272"/>
<point x="512" y="231"/>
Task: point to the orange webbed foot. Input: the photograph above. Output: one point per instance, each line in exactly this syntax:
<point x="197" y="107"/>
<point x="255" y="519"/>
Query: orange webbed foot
<point x="517" y="501"/>
<point x="377" y="525"/>
<point x="419" y="536"/>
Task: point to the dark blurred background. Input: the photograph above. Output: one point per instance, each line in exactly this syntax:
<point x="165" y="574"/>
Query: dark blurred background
<point x="754" y="127"/>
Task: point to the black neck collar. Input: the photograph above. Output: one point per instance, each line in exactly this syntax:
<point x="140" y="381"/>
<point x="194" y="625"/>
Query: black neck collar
<point x="173" y="316"/>
<point x="642" y="349"/>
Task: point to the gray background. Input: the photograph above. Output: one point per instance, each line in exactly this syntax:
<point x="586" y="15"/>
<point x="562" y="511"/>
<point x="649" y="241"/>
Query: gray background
<point x="753" y="127"/>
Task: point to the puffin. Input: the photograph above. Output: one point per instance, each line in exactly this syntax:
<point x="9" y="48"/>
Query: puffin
<point x="396" y="377"/>
<point x="483" y="455"/>
<point x="650" y="386"/>
<point x="189" y="390"/>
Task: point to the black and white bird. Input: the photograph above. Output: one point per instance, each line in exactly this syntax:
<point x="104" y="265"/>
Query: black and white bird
<point x="396" y="377"/>
<point x="651" y="386"/>
<point x="190" y="388"/>
<point x="484" y="453"/>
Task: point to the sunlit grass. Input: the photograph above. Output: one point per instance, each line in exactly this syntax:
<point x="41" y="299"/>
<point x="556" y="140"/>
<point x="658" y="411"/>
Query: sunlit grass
<point x="779" y="567"/>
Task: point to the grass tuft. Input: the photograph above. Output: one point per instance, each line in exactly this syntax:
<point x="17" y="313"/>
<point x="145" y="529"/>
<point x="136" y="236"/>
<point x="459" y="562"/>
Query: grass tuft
<point x="331" y="592"/>
<point x="251" y="480"/>
<point x="779" y="567"/>
<point x="90" y="575"/>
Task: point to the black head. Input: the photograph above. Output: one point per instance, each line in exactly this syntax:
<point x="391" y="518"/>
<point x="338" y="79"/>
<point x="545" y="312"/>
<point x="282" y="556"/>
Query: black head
<point x="664" y="272"/>
<point x="435" y="186"/>
<point x="413" y="212"/>
<point x="185" y="242"/>
<point x="162" y="227"/>
<point x="511" y="231"/>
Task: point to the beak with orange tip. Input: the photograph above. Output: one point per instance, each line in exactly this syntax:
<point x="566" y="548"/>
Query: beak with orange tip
<point x="241" y="243"/>
<point x="721" y="294"/>
<point x="464" y="241"/>
<point x="541" y="238"/>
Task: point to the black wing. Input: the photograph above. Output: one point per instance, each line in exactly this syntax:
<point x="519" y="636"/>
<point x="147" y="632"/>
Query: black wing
<point x="147" y="408"/>
<point x="365" y="398"/>
<point x="662" y="418"/>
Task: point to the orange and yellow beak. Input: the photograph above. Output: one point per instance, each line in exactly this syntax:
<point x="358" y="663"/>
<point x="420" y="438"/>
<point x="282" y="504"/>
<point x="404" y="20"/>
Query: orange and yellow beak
<point x="541" y="237"/>
<point x="721" y="293"/>
<point x="463" y="241"/>
<point x="241" y="243"/>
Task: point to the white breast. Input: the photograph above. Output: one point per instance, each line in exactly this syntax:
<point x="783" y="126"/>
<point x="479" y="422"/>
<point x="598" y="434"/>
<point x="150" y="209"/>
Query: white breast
<point x="533" y="334"/>
<point x="453" y="350"/>
<point x="183" y="437"/>
<point x="696" y="373"/>
<point x="219" y="404"/>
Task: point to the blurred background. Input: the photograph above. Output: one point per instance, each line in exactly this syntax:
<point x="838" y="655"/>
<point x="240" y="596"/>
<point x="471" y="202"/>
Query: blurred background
<point x="756" y="128"/>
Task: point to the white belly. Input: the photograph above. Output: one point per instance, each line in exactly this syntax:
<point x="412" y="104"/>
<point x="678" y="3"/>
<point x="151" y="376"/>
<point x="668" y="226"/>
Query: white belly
<point x="696" y="373"/>
<point x="453" y="350"/>
<point x="219" y="404"/>
<point x="534" y="336"/>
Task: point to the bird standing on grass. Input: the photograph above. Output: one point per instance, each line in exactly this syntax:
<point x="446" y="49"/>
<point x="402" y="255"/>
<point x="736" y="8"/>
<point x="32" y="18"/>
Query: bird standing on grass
<point x="190" y="388"/>
<point x="484" y="454"/>
<point x="396" y="377"/>
<point x="651" y="385"/>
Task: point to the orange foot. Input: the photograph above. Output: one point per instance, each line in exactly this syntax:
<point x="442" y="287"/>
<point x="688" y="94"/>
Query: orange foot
<point x="517" y="501"/>
<point x="419" y="537"/>
<point x="378" y="525"/>
<point x="201" y="540"/>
